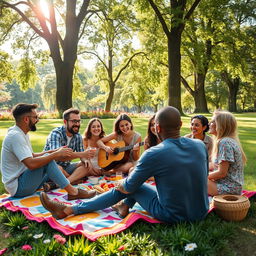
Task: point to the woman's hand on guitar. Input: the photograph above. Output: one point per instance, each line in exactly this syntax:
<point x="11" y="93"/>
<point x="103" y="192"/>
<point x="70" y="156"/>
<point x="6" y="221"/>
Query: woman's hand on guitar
<point x="136" y="147"/>
<point x="108" y="149"/>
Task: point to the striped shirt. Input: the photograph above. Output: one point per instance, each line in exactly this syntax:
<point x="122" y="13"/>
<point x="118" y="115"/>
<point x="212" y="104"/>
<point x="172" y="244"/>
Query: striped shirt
<point x="58" y="138"/>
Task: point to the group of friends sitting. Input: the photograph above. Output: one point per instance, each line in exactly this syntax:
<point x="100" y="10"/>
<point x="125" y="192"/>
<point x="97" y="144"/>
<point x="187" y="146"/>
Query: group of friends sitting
<point x="186" y="169"/>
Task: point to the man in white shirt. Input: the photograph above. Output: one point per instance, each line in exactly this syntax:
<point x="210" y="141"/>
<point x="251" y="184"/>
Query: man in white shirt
<point x="23" y="172"/>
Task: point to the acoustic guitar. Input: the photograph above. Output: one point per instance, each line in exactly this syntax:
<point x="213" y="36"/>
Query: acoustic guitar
<point x="120" y="155"/>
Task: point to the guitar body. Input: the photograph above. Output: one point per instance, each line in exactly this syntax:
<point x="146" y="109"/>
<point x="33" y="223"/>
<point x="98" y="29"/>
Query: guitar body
<point x="109" y="161"/>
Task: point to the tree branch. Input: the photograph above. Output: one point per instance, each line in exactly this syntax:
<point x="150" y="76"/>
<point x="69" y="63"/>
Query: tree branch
<point x="83" y="12"/>
<point x="9" y="29"/>
<point x="126" y="65"/>
<point x="160" y="17"/>
<point x="98" y="57"/>
<point x="23" y="16"/>
<point x="191" y="10"/>
<point x="186" y="85"/>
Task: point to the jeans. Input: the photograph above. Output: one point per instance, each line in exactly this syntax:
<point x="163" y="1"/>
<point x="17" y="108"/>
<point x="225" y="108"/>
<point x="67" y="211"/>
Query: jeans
<point x="146" y="196"/>
<point x="31" y="180"/>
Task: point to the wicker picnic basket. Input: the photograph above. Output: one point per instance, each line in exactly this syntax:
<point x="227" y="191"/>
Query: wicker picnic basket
<point x="231" y="207"/>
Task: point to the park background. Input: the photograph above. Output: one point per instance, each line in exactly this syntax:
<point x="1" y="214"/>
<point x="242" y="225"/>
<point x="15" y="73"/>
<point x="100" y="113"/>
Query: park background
<point x="106" y="57"/>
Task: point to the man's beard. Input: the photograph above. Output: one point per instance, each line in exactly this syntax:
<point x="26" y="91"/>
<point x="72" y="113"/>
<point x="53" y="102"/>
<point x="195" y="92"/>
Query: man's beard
<point x="32" y="127"/>
<point x="70" y="129"/>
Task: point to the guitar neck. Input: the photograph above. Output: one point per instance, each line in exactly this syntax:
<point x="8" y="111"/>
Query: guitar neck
<point x="129" y="147"/>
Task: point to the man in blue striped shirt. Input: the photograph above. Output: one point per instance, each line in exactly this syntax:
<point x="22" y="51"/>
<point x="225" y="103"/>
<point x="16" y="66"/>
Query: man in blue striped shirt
<point x="68" y="135"/>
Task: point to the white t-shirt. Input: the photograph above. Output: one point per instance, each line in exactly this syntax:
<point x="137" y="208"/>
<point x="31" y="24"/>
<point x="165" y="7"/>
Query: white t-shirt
<point x="16" y="147"/>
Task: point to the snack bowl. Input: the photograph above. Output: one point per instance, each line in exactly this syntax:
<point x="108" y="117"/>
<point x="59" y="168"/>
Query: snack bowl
<point x="93" y="180"/>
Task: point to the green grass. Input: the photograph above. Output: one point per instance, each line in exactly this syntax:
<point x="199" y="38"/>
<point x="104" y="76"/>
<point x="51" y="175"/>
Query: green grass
<point x="212" y="236"/>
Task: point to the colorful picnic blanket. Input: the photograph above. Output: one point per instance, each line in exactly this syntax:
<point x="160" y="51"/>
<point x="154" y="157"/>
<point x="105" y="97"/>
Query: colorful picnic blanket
<point x="91" y="225"/>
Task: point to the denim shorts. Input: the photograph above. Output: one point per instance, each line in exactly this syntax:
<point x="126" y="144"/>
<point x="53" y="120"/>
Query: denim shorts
<point x="70" y="168"/>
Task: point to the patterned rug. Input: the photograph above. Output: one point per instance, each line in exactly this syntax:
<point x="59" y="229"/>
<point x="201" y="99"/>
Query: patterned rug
<point x="91" y="225"/>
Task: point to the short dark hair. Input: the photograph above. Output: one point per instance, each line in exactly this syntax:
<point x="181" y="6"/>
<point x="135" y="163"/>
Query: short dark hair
<point x="69" y="111"/>
<point x="120" y="118"/>
<point x="204" y="121"/>
<point x="22" y="108"/>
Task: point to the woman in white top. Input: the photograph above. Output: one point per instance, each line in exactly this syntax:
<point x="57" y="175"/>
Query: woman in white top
<point x="93" y="132"/>
<point x="123" y="131"/>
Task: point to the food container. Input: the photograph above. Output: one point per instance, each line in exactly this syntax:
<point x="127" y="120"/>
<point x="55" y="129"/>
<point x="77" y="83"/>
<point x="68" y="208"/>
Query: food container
<point x="231" y="207"/>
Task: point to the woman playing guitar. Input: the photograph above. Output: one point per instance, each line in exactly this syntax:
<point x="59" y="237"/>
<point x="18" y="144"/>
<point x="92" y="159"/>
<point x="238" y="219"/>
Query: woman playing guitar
<point x="93" y="132"/>
<point x="123" y="131"/>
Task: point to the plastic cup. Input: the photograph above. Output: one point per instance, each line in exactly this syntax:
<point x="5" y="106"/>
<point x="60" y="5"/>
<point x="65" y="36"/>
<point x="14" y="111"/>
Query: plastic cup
<point x="119" y="175"/>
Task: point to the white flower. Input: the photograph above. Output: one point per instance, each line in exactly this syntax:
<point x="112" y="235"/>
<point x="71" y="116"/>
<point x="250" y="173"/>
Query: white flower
<point x="190" y="247"/>
<point x="36" y="236"/>
<point x="46" y="241"/>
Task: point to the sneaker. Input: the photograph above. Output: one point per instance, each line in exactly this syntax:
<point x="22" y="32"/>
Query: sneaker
<point x="54" y="207"/>
<point x="50" y="185"/>
<point x="82" y="194"/>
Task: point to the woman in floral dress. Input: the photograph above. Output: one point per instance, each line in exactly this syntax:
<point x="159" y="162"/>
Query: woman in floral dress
<point x="226" y="173"/>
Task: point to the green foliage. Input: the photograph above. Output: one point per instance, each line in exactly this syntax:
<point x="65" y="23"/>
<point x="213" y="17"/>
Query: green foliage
<point x="80" y="247"/>
<point x="16" y="222"/>
<point x="26" y="73"/>
<point x="6" y="69"/>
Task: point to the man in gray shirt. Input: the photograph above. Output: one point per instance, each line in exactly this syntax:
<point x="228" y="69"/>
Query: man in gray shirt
<point x="23" y="172"/>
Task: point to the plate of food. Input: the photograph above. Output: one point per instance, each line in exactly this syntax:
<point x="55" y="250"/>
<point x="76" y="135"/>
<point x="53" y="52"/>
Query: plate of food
<point x="103" y="187"/>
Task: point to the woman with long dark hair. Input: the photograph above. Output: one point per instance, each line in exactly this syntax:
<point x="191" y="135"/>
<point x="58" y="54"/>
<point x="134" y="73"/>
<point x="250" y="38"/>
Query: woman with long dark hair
<point x="123" y="131"/>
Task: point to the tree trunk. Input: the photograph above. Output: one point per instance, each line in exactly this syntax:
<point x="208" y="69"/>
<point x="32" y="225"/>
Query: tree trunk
<point x="232" y="97"/>
<point x="155" y="107"/>
<point x="64" y="81"/>
<point x="233" y="87"/>
<point x="199" y="94"/>
<point x="174" y="65"/>
<point x="110" y="97"/>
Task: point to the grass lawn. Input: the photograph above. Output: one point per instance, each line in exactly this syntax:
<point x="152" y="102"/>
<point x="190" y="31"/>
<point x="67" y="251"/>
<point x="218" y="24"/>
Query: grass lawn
<point x="212" y="236"/>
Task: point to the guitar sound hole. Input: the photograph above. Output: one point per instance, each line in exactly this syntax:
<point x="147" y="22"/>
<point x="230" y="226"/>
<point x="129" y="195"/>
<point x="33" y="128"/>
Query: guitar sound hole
<point x="116" y="151"/>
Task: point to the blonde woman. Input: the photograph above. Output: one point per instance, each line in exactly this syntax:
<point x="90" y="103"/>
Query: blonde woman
<point x="228" y="157"/>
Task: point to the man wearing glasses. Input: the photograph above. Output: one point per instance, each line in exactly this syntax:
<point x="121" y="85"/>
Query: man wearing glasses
<point x="68" y="136"/>
<point x="23" y="171"/>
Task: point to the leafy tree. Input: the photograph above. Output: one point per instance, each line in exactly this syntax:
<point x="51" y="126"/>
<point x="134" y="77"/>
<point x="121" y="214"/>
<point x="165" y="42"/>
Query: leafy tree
<point x="5" y="96"/>
<point x="61" y="28"/>
<point x="17" y="95"/>
<point x="200" y="36"/>
<point x="6" y="69"/>
<point x="144" y="85"/>
<point x="173" y="16"/>
<point x="112" y="33"/>
<point x="237" y="47"/>
<point x="216" y="92"/>
<point x="49" y="90"/>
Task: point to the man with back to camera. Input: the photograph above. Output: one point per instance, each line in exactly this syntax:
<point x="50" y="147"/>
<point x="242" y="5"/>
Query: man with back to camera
<point x="180" y="168"/>
<point x="68" y="135"/>
<point x="23" y="172"/>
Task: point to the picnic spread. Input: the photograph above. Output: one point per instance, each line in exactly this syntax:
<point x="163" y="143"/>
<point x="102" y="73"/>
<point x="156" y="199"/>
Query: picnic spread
<point x="92" y="225"/>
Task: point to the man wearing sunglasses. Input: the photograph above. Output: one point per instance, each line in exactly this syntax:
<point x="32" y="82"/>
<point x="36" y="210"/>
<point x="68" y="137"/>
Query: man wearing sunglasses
<point x="23" y="171"/>
<point x="68" y="135"/>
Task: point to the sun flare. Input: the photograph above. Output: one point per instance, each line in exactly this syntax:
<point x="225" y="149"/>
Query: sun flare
<point x="44" y="8"/>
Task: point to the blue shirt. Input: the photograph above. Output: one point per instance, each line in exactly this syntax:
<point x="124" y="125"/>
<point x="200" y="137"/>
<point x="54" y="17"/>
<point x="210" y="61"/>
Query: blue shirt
<point x="180" y="169"/>
<point x="58" y="138"/>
